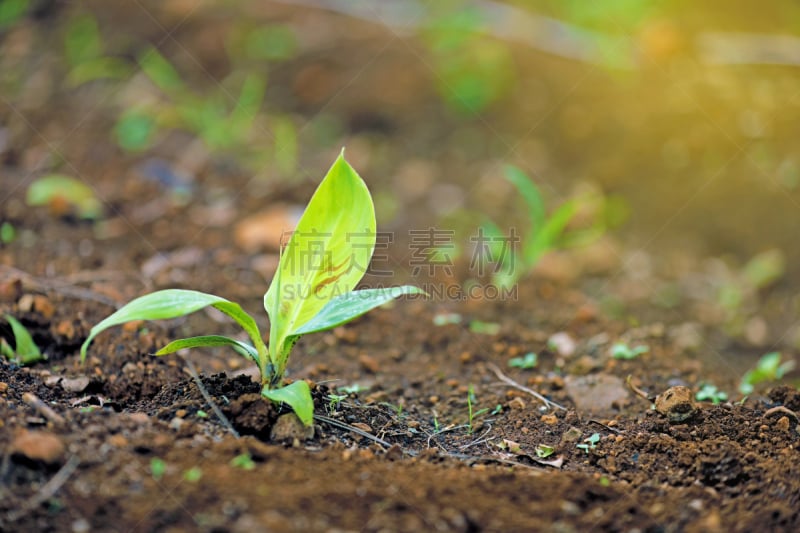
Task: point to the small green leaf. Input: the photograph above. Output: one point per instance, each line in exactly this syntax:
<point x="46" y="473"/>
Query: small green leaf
<point x="56" y="187"/>
<point x="529" y="360"/>
<point x="209" y="341"/>
<point x="110" y="68"/>
<point x="252" y="93"/>
<point x="348" y="306"/>
<point x="25" y="349"/>
<point x="298" y="396"/>
<point x="83" y="41"/>
<point x="134" y="130"/>
<point x="172" y="303"/>
<point x="545" y="237"/>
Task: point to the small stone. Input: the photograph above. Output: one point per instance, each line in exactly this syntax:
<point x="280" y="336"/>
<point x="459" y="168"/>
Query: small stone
<point x="550" y="420"/>
<point x="176" y="423"/>
<point x="562" y="343"/>
<point x="118" y="441"/>
<point x="181" y="413"/>
<point x="65" y="329"/>
<point x="139" y="418"/>
<point x="81" y="525"/>
<point x="38" y="446"/>
<point x="52" y="381"/>
<point x="3" y="387"/>
<point x="572" y="434"/>
<point x="395" y="453"/>
<point x="676" y="403"/>
<point x="43" y="306"/>
<point x="465" y="357"/>
<point x="77" y="384"/>
<point x="25" y="303"/>
<point x="517" y="403"/>
<point x="783" y="424"/>
<point x="288" y="428"/>
<point x="369" y="363"/>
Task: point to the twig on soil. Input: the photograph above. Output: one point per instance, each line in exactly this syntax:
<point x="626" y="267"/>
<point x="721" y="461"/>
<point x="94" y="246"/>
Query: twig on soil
<point x="357" y="431"/>
<point x="47" y="491"/>
<point x="637" y="391"/>
<point x="64" y="287"/>
<point x="42" y="408"/>
<point x="502" y="377"/>
<point x="222" y="418"/>
<point x="604" y="426"/>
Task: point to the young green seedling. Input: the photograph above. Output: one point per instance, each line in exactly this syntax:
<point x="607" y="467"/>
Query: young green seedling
<point x="711" y="393"/>
<point x="25" y="351"/>
<point x="544" y="233"/>
<point x="622" y="350"/>
<point x="769" y="368"/>
<point x="312" y="290"/>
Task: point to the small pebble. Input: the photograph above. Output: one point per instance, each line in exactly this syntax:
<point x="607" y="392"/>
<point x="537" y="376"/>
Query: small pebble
<point x="3" y="387"/>
<point x="38" y="446"/>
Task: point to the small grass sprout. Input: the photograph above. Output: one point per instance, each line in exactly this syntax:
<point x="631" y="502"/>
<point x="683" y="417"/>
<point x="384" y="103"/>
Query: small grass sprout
<point x="311" y="291"/>
<point x="527" y="361"/>
<point x="243" y="461"/>
<point x="622" y="350"/>
<point x="25" y="351"/>
<point x="769" y="368"/>
<point x="710" y="393"/>
<point x="591" y="441"/>
<point x="471" y="412"/>
<point x="545" y="232"/>
<point x="157" y="468"/>
<point x="193" y="475"/>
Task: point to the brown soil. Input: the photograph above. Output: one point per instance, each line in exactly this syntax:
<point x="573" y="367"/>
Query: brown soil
<point x="398" y="452"/>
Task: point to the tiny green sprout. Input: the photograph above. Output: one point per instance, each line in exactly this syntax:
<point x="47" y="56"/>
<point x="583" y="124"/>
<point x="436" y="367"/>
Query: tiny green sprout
<point x="243" y="461"/>
<point x="25" y="351"/>
<point x="543" y="451"/>
<point x="471" y="413"/>
<point x="355" y="388"/>
<point x="335" y="400"/>
<point x="312" y="290"/>
<point x="497" y="409"/>
<point x="592" y="441"/>
<point x="7" y="233"/>
<point x="709" y="392"/>
<point x="484" y="328"/>
<point x="63" y="193"/>
<point x="529" y="360"/>
<point x="604" y="481"/>
<point x="193" y="475"/>
<point x="768" y="368"/>
<point x="201" y="414"/>
<point x="621" y="350"/>
<point x="444" y="319"/>
<point x="157" y="468"/>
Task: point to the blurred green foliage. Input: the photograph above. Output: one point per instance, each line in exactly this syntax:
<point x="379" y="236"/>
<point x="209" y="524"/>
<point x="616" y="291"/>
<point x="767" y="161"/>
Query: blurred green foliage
<point x="769" y="369"/>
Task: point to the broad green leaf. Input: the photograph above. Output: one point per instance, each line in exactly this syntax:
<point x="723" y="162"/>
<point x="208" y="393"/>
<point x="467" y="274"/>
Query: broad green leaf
<point x="209" y="341"/>
<point x="530" y="194"/>
<point x="298" y="396"/>
<point x="326" y="256"/>
<point x="348" y="306"/>
<point x="25" y="350"/>
<point x="172" y="303"/>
